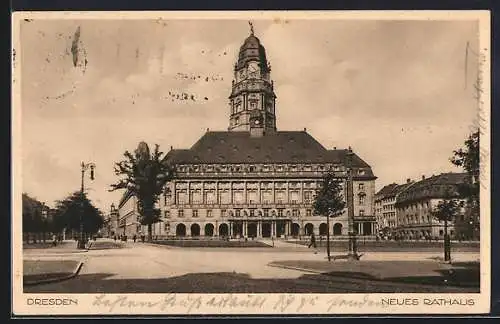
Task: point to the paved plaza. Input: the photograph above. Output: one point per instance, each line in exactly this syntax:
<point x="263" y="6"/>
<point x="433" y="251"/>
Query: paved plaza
<point x="142" y="267"/>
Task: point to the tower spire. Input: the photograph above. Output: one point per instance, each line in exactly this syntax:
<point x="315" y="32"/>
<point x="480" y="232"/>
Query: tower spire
<point x="252" y="99"/>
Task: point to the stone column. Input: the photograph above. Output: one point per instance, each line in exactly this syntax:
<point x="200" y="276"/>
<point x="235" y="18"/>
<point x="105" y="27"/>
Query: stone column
<point x="245" y="193"/>
<point x="287" y="193"/>
<point x="301" y="193"/>
<point x="189" y="192"/>
<point x="217" y="199"/>
<point x="203" y="201"/>
<point x="231" y="193"/>
<point x="259" y="228"/>
<point x="174" y="194"/>
<point x="244" y="229"/>
<point x="273" y="228"/>
<point x="230" y="228"/>
<point x="259" y="199"/>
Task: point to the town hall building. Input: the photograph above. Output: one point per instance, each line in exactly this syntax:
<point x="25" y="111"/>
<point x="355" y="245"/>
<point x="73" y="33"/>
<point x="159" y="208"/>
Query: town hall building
<point x="254" y="180"/>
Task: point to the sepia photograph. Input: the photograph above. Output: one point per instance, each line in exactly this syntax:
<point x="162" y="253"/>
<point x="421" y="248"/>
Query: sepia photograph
<point x="251" y="162"/>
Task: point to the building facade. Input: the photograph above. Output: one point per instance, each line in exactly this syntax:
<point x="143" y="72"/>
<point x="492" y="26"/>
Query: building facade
<point x="385" y="209"/>
<point x="415" y="204"/>
<point x="254" y="180"/>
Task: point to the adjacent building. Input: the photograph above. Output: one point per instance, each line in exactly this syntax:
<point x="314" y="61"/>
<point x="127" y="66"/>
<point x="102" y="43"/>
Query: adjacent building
<point x="414" y="206"/>
<point x="385" y="209"/>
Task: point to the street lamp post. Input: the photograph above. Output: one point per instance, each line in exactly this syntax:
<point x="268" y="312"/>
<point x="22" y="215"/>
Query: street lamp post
<point x="352" y="253"/>
<point x="85" y="167"/>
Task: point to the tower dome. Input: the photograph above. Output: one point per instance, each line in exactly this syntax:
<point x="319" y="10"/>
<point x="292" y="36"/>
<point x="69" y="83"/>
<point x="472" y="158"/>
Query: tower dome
<point x="252" y="50"/>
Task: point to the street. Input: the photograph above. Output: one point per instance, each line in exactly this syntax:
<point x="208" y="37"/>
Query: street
<point x="143" y="268"/>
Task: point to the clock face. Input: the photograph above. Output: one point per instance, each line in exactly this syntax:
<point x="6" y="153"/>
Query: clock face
<point x="253" y="69"/>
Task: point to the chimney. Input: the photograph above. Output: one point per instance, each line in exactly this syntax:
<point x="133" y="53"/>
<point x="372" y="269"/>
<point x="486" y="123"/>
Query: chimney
<point x="334" y="147"/>
<point x="408" y="180"/>
<point x="350" y="149"/>
<point x="208" y="129"/>
<point x="423" y="176"/>
<point x="171" y="147"/>
<point x="305" y="129"/>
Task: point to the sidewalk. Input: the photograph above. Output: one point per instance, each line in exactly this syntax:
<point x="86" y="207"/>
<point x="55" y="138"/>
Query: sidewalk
<point x="63" y="247"/>
<point x="45" y="271"/>
<point x="459" y="274"/>
<point x="283" y="244"/>
<point x="44" y="264"/>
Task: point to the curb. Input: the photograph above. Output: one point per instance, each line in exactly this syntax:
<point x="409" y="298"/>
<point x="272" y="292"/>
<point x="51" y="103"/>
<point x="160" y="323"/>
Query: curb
<point x="362" y="278"/>
<point x="51" y="280"/>
<point x="294" y="268"/>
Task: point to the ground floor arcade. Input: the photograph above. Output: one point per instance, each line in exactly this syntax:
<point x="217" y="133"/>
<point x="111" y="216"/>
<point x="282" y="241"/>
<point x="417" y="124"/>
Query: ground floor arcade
<point x="282" y="228"/>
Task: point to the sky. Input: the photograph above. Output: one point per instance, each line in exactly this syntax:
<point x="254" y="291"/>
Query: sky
<point x="400" y="93"/>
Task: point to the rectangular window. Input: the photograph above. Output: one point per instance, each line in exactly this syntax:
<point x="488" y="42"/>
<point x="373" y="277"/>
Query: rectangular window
<point x="308" y="212"/>
<point x="225" y="197"/>
<point x="295" y="212"/>
<point x="210" y="197"/>
<point x="280" y="196"/>
<point x="182" y="197"/>
<point x="252" y="212"/>
<point x="195" y="213"/>
<point x="267" y="196"/>
<point x="362" y="200"/>
<point x="307" y="197"/>
<point x="237" y="213"/>
<point x="209" y="213"/>
<point x="252" y="196"/>
<point x="280" y="212"/>
<point x="223" y="213"/>
<point x="294" y="197"/>
<point x="266" y="212"/>
<point x="167" y="214"/>
<point x="238" y="196"/>
<point x="361" y="212"/>
<point x="196" y="196"/>
<point x="180" y="213"/>
<point x="361" y="186"/>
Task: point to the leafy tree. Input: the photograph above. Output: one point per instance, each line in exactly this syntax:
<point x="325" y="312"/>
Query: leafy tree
<point x="32" y="215"/>
<point x="468" y="156"/>
<point x="468" y="159"/>
<point x="144" y="174"/>
<point x="446" y="211"/>
<point x="74" y="209"/>
<point x="329" y="202"/>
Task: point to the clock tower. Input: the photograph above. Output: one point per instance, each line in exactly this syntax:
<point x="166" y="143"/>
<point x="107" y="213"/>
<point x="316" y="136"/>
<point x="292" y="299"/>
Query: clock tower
<point x="252" y="100"/>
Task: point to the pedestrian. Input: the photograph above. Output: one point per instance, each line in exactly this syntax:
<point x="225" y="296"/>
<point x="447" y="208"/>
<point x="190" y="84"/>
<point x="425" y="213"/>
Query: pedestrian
<point x="313" y="241"/>
<point x="135" y="238"/>
<point x="114" y="237"/>
<point x="54" y="240"/>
